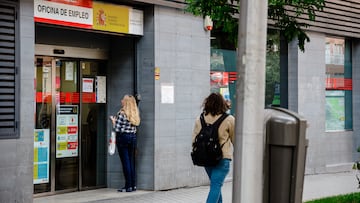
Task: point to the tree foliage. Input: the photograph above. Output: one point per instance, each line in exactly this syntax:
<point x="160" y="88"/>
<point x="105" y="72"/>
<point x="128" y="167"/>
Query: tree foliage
<point x="284" y="14"/>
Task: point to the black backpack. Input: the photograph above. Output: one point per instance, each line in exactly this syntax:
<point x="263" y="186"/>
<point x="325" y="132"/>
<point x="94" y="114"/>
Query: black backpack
<point x="206" y="149"/>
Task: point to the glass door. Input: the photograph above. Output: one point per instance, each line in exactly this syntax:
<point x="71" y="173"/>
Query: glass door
<point x="67" y="124"/>
<point x="93" y="124"/>
<point x="70" y="124"/>
<point x="43" y="121"/>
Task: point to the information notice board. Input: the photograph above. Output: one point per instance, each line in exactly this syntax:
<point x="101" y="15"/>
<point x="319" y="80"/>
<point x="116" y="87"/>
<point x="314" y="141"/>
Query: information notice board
<point x="67" y="131"/>
<point x="41" y="156"/>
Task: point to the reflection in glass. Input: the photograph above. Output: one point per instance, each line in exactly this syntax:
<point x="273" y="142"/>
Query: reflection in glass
<point x="43" y="109"/>
<point x="338" y="84"/>
<point x="223" y="71"/>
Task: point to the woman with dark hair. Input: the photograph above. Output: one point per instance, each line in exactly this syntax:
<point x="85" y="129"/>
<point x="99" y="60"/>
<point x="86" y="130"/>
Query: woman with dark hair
<point x="213" y="107"/>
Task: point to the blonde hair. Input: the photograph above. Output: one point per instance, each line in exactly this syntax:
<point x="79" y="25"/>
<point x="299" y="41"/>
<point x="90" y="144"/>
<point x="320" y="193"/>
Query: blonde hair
<point x="131" y="110"/>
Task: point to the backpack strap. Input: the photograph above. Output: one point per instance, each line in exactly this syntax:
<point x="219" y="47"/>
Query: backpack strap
<point x="202" y="120"/>
<point x="216" y="123"/>
<point x="220" y="120"/>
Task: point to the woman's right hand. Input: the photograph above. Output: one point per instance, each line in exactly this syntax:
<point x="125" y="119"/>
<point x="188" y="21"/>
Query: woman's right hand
<point x="112" y="118"/>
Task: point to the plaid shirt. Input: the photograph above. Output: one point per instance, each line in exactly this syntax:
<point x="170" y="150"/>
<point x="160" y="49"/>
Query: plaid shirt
<point x="123" y="125"/>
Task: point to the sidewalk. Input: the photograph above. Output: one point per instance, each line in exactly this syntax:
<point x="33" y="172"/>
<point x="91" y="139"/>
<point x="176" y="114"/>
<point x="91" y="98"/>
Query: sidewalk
<point x="315" y="186"/>
<point x="326" y="185"/>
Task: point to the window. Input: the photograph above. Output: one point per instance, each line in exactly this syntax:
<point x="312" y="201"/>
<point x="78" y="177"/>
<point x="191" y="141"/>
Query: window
<point x="223" y="72"/>
<point x="8" y="74"/>
<point x="338" y="84"/>
<point x="272" y="85"/>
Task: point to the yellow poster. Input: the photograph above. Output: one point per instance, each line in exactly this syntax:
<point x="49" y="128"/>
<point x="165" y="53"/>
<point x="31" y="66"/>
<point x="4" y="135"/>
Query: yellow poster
<point x="110" y="17"/>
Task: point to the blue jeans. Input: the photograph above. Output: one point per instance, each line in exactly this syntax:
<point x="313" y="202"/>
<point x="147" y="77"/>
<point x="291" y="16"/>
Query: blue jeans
<point x="217" y="176"/>
<point x="126" y="145"/>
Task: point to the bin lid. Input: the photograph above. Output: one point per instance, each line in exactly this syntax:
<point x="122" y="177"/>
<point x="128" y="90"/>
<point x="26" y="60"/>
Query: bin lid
<point x="283" y="127"/>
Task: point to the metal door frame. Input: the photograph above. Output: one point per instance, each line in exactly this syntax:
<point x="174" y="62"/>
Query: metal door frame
<point x="77" y="54"/>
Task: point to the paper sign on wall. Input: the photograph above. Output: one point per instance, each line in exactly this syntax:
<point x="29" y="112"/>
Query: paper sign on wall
<point x="167" y="93"/>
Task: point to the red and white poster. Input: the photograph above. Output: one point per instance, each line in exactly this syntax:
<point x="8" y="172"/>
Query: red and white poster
<point x="88" y="85"/>
<point x="74" y="13"/>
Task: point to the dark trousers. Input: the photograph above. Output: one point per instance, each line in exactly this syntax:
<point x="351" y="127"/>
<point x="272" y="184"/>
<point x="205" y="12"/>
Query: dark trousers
<point x="126" y="145"/>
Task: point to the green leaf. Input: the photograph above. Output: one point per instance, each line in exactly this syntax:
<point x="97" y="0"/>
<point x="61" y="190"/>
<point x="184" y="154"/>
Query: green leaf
<point x="280" y="11"/>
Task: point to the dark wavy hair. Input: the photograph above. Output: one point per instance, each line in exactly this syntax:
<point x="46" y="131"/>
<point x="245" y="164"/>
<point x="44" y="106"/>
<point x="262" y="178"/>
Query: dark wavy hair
<point x="215" y="104"/>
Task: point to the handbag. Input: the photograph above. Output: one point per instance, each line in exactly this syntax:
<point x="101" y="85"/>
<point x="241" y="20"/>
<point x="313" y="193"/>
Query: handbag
<point x="112" y="143"/>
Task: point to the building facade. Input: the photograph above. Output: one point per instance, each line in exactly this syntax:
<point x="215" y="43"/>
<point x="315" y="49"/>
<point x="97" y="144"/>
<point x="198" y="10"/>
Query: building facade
<point x="322" y="86"/>
<point x="62" y="78"/>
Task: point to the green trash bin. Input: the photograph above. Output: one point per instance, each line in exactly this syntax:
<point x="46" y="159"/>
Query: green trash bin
<point x="284" y="156"/>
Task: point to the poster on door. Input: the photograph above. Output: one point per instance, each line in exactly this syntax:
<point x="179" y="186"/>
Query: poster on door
<point x="67" y="131"/>
<point x="41" y="156"/>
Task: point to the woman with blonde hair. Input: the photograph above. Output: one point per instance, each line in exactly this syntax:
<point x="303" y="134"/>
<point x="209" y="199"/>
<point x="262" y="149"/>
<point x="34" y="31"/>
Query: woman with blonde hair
<point x="125" y="125"/>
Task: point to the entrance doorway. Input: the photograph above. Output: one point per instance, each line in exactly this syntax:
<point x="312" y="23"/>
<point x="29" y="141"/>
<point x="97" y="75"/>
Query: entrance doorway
<point x="70" y="124"/>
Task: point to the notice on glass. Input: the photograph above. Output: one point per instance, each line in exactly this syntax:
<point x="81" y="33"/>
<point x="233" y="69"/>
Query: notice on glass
<point x="88" y="85"/>
<point x="100" y="89"/>
<point x="167" y="93"/>
<point x="67" y="131"/>
<point x="69" y="71"/>
<point x="41" y="156"/>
